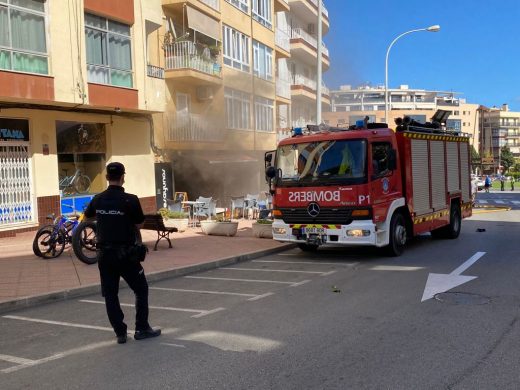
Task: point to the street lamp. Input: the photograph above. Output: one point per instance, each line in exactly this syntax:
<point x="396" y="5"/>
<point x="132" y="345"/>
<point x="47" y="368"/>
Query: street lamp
<point x="433" y="28"/>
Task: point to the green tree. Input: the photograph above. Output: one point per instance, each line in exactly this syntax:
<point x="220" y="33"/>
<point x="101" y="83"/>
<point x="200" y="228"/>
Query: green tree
<point x="507" y="160"/>
<point x="474" y="154"/>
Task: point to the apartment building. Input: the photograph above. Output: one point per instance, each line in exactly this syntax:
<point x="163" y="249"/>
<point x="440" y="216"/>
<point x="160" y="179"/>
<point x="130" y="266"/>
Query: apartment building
<point x="350" y="104"/>
<point x="499" y="127"/>
<point x="301" y="68"/>
<point x="222" y="95"/>
<point x="75" y="94"/>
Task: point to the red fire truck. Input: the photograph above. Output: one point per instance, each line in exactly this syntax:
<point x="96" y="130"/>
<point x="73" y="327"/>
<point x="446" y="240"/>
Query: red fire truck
<point x="369" y="185"/>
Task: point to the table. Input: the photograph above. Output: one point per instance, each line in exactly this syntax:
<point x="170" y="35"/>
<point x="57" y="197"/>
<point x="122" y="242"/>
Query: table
<point x="192" y="204"/>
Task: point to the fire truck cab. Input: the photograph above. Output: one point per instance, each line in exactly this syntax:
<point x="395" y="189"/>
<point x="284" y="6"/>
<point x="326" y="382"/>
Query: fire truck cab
<point x="369" y="185"/>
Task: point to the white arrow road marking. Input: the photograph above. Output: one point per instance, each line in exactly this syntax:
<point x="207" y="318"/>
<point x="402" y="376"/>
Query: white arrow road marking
<point x="439" y="283"/>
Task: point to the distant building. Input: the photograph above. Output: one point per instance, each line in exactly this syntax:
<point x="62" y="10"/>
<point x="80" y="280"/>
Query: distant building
<point x="350" y="104"/>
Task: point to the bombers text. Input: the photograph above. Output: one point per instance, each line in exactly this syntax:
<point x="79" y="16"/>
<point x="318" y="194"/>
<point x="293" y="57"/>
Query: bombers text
<point x="314" y="196"/>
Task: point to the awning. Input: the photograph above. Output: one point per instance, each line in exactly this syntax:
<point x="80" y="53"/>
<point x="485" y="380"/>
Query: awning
<point x="203" y="23"/>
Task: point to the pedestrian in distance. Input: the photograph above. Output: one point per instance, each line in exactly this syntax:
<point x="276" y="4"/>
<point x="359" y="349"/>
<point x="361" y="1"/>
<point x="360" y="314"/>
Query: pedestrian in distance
<point x="502" y="182"/>
<point x="118" y="215"/>
<point x="512" y="183"/>
<point x="487" y="183"/>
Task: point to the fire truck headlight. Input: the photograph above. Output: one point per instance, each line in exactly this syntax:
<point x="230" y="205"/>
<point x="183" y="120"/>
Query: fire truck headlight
<point x="358" y="233"/>
<point x="279" y="230"/>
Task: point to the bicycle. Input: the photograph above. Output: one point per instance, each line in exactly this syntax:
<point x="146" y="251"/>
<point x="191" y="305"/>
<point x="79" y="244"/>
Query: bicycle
<point x="50" y="240"/>
<point x="77" y="183"/>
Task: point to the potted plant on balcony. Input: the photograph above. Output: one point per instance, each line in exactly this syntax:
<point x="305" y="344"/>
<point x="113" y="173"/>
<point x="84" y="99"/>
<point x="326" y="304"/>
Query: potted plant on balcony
<point x="220" y="226"/>
<point x="263" y="228"/>
<point x="177" y="219"/>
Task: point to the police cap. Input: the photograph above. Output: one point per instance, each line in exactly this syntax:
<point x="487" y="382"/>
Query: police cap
<point x="115" y="169"/>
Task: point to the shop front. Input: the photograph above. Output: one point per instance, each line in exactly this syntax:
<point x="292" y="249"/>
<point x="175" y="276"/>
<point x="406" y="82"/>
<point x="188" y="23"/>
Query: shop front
<point x="54" y="162"/>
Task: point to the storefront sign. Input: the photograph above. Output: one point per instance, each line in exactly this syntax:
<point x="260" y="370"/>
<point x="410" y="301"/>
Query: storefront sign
<point x="14" y="129"/>
<point x="163" y="184"/>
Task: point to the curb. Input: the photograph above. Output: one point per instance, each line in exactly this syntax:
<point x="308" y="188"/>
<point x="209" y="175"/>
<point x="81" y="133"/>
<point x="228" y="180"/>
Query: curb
<point x="27" y="302"/>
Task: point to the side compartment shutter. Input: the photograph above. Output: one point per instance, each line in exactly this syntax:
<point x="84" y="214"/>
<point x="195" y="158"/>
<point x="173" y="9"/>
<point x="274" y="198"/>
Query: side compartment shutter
<point x="453" y="166"/>
<point x="464" y="171"/>
<point x="438" y="179"/>
<point x="420" y="175"/>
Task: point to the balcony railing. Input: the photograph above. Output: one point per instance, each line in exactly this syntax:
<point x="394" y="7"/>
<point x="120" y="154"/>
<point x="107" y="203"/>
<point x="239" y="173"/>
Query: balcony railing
<point x="155" y="71"/>
<point x="299" y="79"/>
<point x="324" y="10"/>
<point x="282" y="39"/>
<point x="184" y="55"/>
<point x="283" y="88"/>
<point x="188" y="127"/>
<point x="212" y="3"/>
<point x="298" y="32"/>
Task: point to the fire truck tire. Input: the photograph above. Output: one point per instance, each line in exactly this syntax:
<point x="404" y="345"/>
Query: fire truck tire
<point x="398" y="235"/>
<point x="453" y="229"/>
<point x="308" y="247"/>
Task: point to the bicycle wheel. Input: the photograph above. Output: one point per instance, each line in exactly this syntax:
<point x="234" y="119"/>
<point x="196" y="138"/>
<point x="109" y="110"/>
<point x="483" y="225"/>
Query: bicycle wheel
<point x="82" y="184"/>
<point x="84" y="242"/>
<point x="48" y="242"/>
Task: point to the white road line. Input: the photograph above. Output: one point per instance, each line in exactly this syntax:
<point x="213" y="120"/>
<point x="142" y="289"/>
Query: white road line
<point x="238" y="280"/>
<point x="500" y="201"/>
<point x="73" y="325"/>
<point x="201" y="312"/>
<point x="394" y="268"/>
<point x="288" y="254"/>
<point x="174" y="345"/>
<point x="260" y="296"/>
<point x="16" y="360"/>
<point x="328" y="273"/>
<point x="270" y="270"/>
<point x="208" y="312"/>
<point x="204" y="291"/>
<point x="299" y="283"/>
<point x="482" y="201"/>
<point x="515" y="201"/>
<point x="304" y="262"/>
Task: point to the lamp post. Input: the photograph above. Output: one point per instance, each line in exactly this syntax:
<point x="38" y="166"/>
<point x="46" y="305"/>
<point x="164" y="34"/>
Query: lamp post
<point x="433" y="28"/>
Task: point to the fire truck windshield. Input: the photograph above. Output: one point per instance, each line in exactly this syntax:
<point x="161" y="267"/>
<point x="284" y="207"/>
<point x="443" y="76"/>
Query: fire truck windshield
<point x="322" y="162"/>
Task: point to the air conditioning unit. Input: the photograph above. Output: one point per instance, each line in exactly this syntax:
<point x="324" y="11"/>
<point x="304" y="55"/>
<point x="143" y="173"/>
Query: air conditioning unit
<point x="204" y="93"/>
<point x="311" y="29"/>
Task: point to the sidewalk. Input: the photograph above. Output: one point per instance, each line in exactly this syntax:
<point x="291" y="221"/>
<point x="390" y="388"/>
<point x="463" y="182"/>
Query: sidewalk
<point x="27" y="280"/>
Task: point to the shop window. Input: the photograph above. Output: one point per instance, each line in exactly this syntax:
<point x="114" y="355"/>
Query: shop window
<point x="81" y="158"/>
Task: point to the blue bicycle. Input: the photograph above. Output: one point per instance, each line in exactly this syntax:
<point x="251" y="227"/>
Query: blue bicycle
<point x="50" y="240"/>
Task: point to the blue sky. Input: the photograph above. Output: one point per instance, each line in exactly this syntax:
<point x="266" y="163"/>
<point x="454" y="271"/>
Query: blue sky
<point x="476" y="52"/>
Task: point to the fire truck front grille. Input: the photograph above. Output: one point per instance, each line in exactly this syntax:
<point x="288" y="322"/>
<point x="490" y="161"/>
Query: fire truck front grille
<point x="329" y="216"/>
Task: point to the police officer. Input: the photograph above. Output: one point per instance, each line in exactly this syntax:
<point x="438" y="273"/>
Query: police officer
<point x="118" y="215"/>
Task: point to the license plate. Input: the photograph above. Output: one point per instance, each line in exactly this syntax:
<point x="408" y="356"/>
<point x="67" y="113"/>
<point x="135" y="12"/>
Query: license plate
<point x="313" y="230"/>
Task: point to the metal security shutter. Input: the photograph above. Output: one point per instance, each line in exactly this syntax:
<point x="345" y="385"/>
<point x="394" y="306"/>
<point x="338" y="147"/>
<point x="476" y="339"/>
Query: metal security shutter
<point x="438" y="174"/>
<point x="420" y="174"/>
<point x="464" y="171"/>
<point x="16" y="202"/>
<point x="452" y="152"/>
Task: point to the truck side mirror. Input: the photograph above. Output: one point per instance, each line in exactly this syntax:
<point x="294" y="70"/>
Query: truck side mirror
<point x="269" y="157"/>
<point x="392" y="160"/>
<point x="270" y="172"/>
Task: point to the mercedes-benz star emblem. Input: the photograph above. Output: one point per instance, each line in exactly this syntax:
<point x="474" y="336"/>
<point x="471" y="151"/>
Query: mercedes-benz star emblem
<point x="313" y="209"/>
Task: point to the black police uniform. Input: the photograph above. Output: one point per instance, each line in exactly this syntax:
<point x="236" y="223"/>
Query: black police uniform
<point x="117" y="213"/>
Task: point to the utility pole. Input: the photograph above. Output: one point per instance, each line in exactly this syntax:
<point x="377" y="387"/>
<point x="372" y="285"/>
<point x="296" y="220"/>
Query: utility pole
<point x="319" y="65"/>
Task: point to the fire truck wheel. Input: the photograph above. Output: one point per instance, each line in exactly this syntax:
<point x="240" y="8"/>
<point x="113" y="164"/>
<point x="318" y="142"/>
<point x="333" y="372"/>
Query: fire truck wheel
<point x="397" y="235"/>
<point x="453" y="229"/>
<point x="308" y="247"/>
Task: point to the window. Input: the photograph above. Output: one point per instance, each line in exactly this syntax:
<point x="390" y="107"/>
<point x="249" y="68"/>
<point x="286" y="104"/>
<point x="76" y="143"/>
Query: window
<point x="23" y="45"/>
<point x="242" y="5"/>
<point x="262" y="12"/>
<point x="380" y="158"/>
<point x="262" y="61"/>
<point x="264" y="109"/>
<point x="109" y="51"/>
<point x="237" y="109"/>
<point x="236" y="49"/>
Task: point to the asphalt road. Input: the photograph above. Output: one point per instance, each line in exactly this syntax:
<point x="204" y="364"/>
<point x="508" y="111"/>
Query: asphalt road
<point x="338" y="319"/>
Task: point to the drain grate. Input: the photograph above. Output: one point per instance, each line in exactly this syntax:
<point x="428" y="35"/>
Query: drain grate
<point x="461" y="298"/>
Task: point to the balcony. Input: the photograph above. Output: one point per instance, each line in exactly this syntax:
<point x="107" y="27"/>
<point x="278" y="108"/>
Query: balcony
<point x="209" y="7"/>
<point x="185" y="60"/>
<point x="305" y="46"/>
<point x="154" y="71"/>
<point x="215" y="4"/>
<point x="303" y="87"/>
<point x="188" y="127"/>
<point x="307" y="11"/>
<point x="283" y="42"/>
<point x="281" y="6"/>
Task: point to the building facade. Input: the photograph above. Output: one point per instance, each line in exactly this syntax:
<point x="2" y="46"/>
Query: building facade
<point x="351" y="104"/>
<point x="75" y="94"/>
